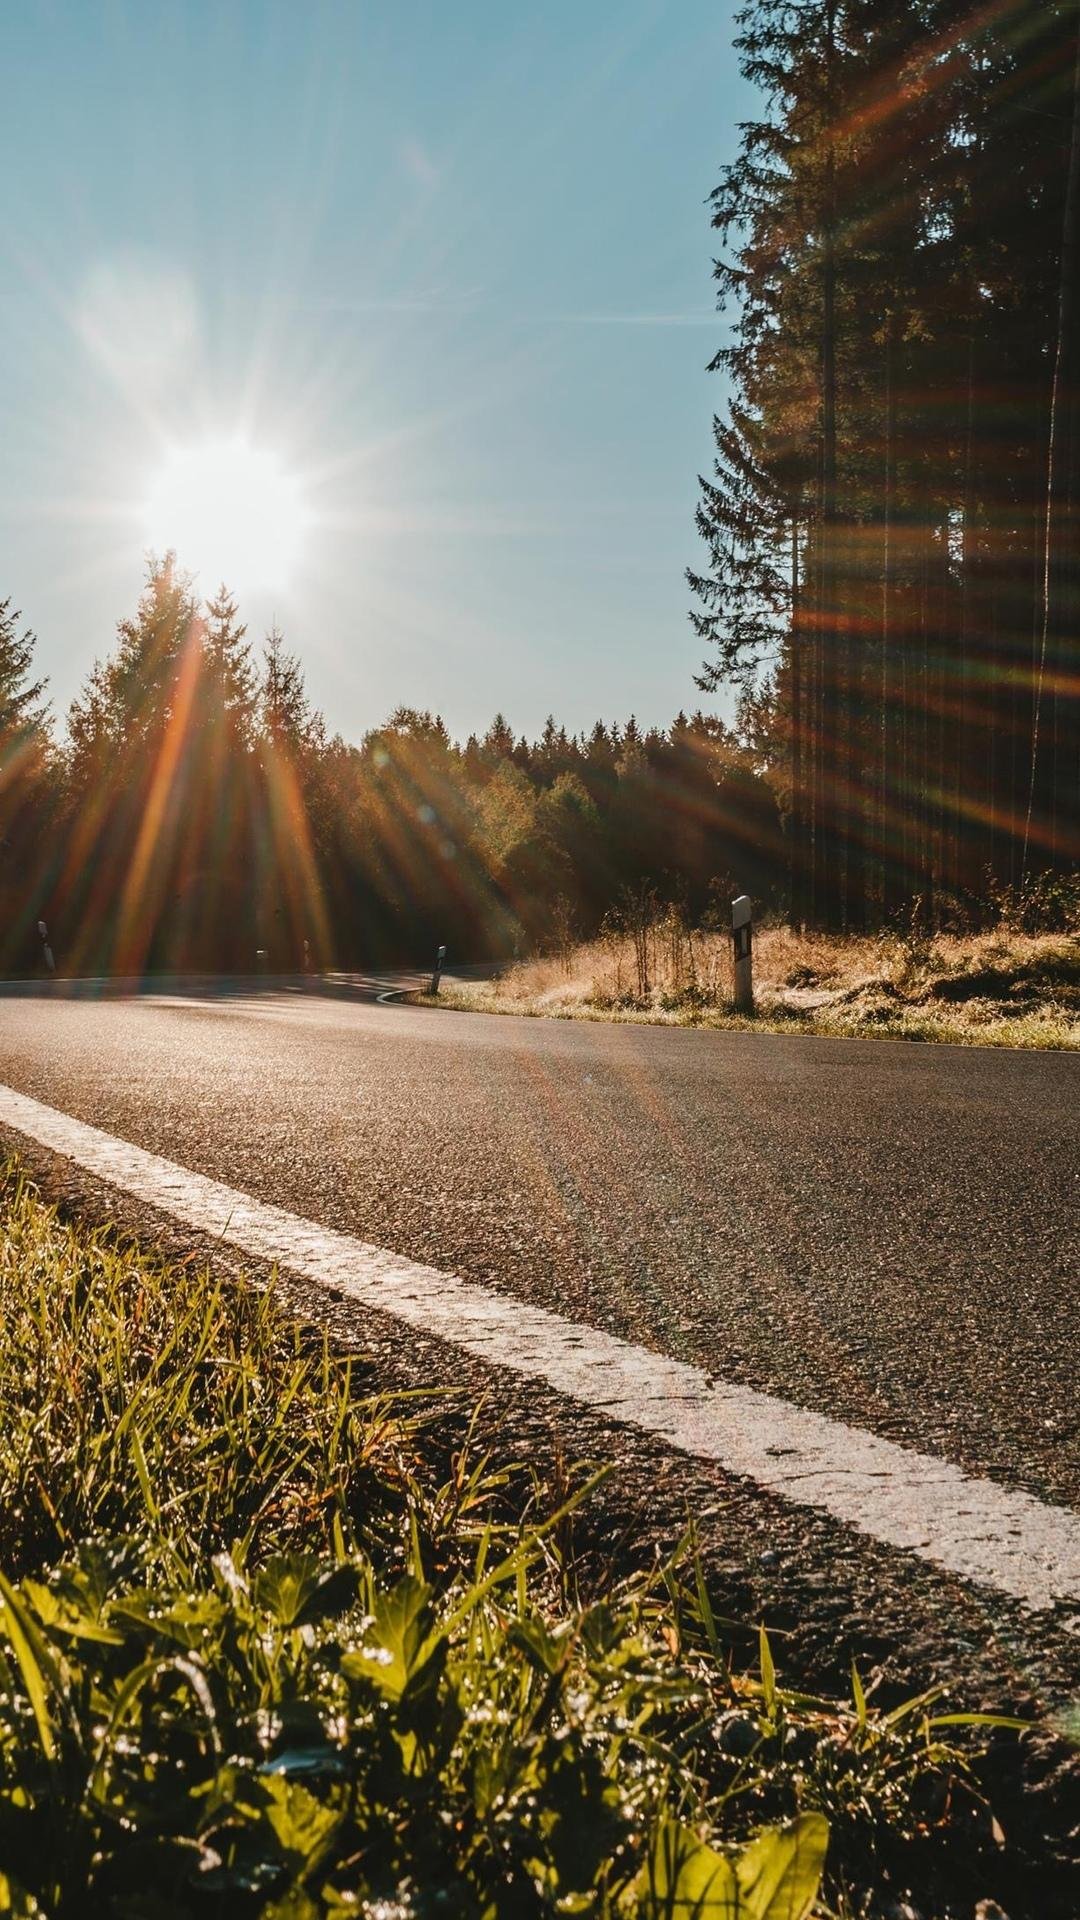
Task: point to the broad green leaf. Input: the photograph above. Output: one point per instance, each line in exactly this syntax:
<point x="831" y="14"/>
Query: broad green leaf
<point x="333" y="1593"/>
<point x="683" y="1879"/>
<point x="187" y="1621"/>
<point x="776" y="1877"/>
<point x="601" y="1628"/>
<point x="284" y="1585"/>
<point x="63" y="1613"/>
<point x="779" y="1873"/>
<point x="396" y="1645"/>
<point x="301" y="1824"/>
<point x="297" y="1589"/>
<point x="539" y="1645"/>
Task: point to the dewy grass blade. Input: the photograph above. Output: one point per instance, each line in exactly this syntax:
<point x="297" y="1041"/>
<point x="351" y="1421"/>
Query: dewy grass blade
<point x="139" y="1457"/>
<point x="31" y="1659"/>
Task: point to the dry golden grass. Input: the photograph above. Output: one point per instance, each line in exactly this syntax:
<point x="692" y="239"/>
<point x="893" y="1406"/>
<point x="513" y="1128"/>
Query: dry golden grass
<point x="991" y="989"/>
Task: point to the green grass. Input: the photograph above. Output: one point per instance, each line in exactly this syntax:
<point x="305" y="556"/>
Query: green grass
<point x="271" y="1644"/>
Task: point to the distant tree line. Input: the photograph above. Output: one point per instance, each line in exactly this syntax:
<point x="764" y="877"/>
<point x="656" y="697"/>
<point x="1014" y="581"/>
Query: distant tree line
<point x="198" y="813"/>
<point x="893" y="521"/>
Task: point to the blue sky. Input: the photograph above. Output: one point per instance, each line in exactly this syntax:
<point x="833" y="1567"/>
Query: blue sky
<point x="450" y="263"/>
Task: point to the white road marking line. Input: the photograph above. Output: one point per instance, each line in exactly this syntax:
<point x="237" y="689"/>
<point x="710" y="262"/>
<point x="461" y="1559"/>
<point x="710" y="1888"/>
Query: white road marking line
<point x="988" y="1534"/>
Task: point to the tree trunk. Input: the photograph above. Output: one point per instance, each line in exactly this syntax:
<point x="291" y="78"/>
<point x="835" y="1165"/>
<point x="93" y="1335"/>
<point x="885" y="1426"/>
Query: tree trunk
<point x="830" y="904"/>
<point x="1053" y="813"/>
<point x="796" y="826"/>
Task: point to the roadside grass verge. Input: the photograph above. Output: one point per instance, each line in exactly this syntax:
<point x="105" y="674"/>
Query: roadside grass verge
<point x="1005" y="988"/>
<point x="269" y="1647"/>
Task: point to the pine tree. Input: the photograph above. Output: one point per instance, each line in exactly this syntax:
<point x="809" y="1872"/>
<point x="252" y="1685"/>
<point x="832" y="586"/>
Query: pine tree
<point x="286" y="717"/>
<point x="26" y="798"/>
<point x="23" y="715"/>
<point x="294" y="830"/>
<point x="154" y="671"/>
<point x="498" y="741"/>
<point x="131" y="775"/>
<point x="227" y="671"/>
<point x="896" y="217"/>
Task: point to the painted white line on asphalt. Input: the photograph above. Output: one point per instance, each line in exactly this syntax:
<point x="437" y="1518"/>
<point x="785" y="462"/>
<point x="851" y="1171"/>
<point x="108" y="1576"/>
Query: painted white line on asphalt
<point x="984" y="1532"/>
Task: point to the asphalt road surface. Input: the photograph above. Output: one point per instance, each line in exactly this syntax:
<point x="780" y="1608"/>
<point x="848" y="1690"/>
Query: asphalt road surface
<point x="881" y="1232"/>
<point x="884" y="1232"/>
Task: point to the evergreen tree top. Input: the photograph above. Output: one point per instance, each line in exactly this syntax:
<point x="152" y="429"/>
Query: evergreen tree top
<point x="22" y="709"/>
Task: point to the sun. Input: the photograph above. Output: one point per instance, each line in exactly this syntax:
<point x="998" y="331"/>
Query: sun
<point x="230" y="511"/>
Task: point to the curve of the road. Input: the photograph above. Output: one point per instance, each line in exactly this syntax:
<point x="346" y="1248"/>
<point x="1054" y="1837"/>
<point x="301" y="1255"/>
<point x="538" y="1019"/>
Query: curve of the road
<point x="877" y="1231"/>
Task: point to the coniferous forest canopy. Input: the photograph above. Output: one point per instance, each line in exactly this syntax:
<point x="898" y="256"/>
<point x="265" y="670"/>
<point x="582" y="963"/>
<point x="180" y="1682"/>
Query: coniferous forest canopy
<point x="890" y="578"/>
<point x="892" y="523"/>
<point x="200" y="811"/>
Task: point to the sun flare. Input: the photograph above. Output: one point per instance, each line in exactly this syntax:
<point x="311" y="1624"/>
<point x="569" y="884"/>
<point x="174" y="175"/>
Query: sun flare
<point x="230" y="511"/>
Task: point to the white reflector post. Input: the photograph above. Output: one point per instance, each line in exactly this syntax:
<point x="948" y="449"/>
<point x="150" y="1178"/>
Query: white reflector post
<point x="742" y="945"/>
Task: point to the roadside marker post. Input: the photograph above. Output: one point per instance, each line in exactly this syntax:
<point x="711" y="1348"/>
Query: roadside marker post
<point x="437" y="975"/>
<point x="742" y="940"/>
<point x="45" y="947"/>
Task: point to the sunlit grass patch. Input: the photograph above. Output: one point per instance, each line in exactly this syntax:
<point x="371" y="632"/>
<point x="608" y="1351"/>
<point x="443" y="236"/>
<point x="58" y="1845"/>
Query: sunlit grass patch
<point x="268" y="1649"/>
<point x="1002" y="989"/>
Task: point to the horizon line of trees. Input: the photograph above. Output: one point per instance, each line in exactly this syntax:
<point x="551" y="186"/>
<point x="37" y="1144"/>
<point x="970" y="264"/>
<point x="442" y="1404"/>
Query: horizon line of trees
<point x="892" y="580"/>
<point x="892" y="523"/>
<point x="198" y="811"/>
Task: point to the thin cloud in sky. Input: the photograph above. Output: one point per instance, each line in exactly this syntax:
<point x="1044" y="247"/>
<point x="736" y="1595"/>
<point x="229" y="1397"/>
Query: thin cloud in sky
<point x="418" y="163"/>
